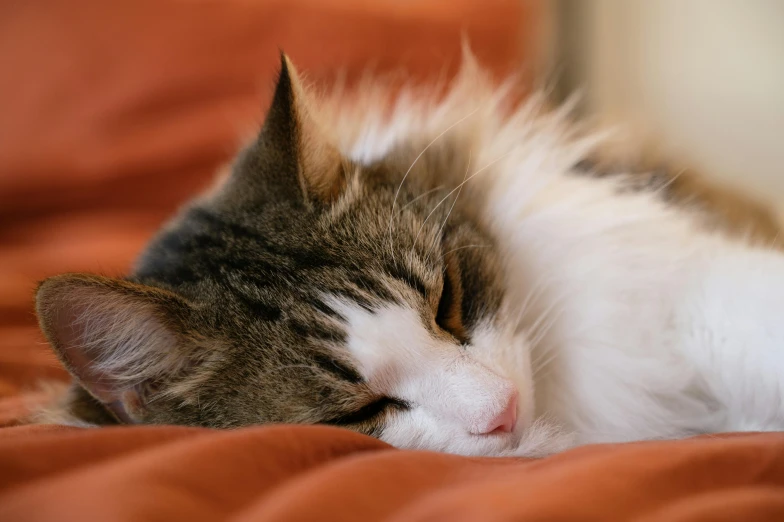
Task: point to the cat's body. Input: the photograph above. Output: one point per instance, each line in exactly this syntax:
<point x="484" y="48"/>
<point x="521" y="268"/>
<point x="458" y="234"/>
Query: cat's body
<point x="442" y="275"/>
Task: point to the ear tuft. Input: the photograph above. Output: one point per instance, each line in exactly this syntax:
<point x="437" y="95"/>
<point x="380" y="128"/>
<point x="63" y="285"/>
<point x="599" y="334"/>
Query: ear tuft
<point x="293" y="156"/>
<point x="321" y="177"/>
<point x="117" y="338"/>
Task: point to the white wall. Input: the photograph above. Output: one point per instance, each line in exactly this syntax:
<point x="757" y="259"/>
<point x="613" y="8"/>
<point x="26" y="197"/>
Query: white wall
<point x="706" y="77"/>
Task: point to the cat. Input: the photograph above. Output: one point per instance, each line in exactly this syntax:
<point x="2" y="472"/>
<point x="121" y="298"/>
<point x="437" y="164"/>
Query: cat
<point x="446" y="273"/>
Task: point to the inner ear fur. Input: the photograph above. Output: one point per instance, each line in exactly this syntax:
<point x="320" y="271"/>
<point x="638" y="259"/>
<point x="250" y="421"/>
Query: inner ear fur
<point x="117" y="338"/>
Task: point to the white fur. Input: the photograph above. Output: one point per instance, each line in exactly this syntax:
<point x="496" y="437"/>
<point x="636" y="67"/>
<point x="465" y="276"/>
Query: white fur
<point x="624" y="320"/>
<point x="444" y="386"/>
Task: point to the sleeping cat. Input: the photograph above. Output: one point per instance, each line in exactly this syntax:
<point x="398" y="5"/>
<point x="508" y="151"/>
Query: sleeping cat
<point x="444" y="273"/>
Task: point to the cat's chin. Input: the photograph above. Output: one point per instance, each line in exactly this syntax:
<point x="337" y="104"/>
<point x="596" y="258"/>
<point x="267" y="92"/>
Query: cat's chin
<point x="540" y="439"/>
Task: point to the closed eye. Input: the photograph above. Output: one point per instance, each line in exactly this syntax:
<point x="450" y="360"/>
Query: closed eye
<point x="368" y="412"/>
<point x="449" y="315"/>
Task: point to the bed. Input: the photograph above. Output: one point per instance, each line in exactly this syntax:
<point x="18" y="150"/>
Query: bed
<point x="114" y="113"/>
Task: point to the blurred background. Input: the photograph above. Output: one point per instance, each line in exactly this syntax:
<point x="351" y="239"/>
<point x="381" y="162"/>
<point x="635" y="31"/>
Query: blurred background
<point x="112" y="113"/>
<point x="699" y="81"/>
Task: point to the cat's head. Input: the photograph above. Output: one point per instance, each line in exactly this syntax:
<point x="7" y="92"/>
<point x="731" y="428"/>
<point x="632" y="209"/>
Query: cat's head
<point x="308" y="289"/>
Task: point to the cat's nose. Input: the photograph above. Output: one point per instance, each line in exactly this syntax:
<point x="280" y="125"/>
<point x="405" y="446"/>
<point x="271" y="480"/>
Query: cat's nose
<point x="505" y="421"/>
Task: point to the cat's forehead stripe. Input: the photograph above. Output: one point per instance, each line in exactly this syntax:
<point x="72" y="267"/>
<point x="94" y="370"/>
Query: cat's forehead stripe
<point x="408" y="277"/>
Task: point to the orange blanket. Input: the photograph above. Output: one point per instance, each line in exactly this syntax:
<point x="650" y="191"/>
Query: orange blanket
<point x="317" y="473"/>
<point x="115" y="112"/>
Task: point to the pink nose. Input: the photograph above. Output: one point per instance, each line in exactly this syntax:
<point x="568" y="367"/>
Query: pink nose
<point x="505" y="421"/>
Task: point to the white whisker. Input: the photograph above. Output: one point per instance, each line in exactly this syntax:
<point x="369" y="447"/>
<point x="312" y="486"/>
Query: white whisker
<point x="457" y="188"/>
<point x="542" y="365"/>
<point x="443" y="224"/>
<point x="543" y="315"/>
<point x="425" y="193"/>
<point x="544" y="330"/>
<point x="536" y="291"/>
<point x="462" y="247"/>
<point x="397" y="193"/>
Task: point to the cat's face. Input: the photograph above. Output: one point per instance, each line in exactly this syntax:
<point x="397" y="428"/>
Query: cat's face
<point x="307" y="289"/>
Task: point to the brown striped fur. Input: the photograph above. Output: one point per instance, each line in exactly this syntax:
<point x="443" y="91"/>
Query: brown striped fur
<point x="722" y="207"/>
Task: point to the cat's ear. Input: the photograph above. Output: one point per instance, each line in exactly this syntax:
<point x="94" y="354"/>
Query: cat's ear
<point x="293" y="154"/>
<point x="118" y="339"/>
